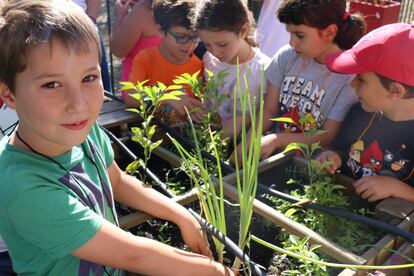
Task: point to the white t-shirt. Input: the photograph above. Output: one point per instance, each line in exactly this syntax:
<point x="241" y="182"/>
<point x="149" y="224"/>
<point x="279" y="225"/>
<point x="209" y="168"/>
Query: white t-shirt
<point x="307" y="87"/>
<point x="271" y="34"/>
<point x="82" y="4"/>
<point x="8" y="117"/>
<point x="252" y="68"/>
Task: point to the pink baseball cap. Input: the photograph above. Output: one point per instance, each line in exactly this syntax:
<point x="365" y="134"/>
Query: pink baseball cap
<point x="387" y="51"/>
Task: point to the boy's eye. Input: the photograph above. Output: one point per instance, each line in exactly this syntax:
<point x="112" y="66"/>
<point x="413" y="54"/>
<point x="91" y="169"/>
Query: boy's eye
<point x="51" y="85"/>
<point x="89" y="78"/>
<point x="222" y="44"/>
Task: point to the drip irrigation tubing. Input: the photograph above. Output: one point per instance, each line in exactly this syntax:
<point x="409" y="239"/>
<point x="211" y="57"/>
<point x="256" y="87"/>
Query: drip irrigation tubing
<point x="230" y="245"/>
<point x="386" y="227"/>
<point x="133" y="157"/>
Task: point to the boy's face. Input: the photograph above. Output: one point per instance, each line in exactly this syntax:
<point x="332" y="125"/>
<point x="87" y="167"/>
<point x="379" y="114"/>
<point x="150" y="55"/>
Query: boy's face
<point x="224" y="45"/>
<point x="308" y="41"/>
<point x="179" y="52"/>
<point x="58" y="97"/>
<point x="370" y="91"/>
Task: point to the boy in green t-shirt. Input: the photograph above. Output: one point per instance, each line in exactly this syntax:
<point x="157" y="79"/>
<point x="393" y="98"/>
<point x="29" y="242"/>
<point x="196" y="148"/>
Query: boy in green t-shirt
<point x="59" y="179"/>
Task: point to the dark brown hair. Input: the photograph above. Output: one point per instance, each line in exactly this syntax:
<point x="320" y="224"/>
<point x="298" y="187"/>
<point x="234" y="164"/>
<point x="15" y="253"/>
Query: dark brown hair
<point x="24" y="24"/>
<point x="226" y="15"/>
<point x="322" y="13"/>
<point x="386" y="83"/>
<point x="171" y="13"/>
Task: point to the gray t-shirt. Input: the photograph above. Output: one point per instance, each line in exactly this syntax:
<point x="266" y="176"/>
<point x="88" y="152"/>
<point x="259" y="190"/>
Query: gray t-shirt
<point x="309" y="88"/>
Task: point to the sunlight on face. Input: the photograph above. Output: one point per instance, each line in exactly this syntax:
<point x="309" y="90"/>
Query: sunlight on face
<point x="58" y="96"/>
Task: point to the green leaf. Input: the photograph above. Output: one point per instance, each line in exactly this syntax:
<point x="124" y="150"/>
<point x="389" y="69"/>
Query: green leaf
<point x="293" y="146"/>
<point x="284" y="120"/>
<point x="154" y="145"/>
<point x="290" y="212"/>
<point x="169" y="96"/>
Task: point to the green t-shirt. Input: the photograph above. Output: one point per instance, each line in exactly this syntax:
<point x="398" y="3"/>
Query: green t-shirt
<point x="47" y="212"/>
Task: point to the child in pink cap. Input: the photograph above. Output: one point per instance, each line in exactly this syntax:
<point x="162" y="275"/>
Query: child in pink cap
<point x="375" y="144"/>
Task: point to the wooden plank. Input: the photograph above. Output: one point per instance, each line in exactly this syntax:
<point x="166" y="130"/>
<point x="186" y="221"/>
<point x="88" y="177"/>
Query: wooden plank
<point x="116" y="118"/>
<point x="269" y="213"/>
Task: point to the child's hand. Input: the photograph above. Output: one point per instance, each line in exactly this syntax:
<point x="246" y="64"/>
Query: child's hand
<point x="190" y="104"/>
<point x="268" y="145"/>
<point x="193" y="236"/>
<point x="331" y="160"/>
<point x="373" y="188"/>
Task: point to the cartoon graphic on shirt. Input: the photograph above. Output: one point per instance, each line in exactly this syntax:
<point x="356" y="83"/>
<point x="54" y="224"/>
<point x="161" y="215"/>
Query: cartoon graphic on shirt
<point x="375" y="161"/>
<point x="394" y="163"/>
<point x="305" y="95"/>
<point x="371" y="159"/>
<point x="305" y="124"/>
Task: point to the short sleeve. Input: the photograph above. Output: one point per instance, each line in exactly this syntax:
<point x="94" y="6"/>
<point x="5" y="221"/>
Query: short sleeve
<point x="53" y="220"/>
<point x="343" y="103"/>
<point x="278" y="66"/>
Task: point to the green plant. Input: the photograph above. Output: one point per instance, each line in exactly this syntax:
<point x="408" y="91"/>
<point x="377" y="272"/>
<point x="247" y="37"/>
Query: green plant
<point x="208" y="93"/>
<point x="211" y="202"/>
<point x="150" y="98"/>
<point x="247" y="178"/>
<point x="328" y="264"/>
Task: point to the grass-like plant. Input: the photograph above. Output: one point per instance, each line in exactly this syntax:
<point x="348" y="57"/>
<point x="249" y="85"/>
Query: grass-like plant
<point x="212" y="203"/>
<point x="249" y="158"/>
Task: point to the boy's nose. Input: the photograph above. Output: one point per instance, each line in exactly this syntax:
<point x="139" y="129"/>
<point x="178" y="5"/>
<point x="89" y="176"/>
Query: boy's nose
<point x="76" y="100"/>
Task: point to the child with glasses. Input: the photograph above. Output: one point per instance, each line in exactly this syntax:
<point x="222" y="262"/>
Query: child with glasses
<point x="173" y="57"/>
<point x="226" y="28"/>
<point x="59" y="178"/>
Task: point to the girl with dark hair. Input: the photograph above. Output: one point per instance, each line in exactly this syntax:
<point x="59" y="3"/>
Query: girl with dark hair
<point x="226" y="28"/>
<point x="298" y="82"/>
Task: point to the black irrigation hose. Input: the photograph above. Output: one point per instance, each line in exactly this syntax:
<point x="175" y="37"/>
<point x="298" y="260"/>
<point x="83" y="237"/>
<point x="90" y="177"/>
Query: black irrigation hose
<point x="230" y="245"/>
<point x="342" y="213"/>
<point x="133" y="157"/>
<point x="113" y="96"/>
<point x="190" y="145"/>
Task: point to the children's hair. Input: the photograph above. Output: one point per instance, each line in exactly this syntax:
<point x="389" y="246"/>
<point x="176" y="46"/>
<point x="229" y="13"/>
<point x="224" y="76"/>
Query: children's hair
<point x="226" y="15"/>
<point x="173" y="13"/>
<point x="26" y="24"/>
<point x="322" y="13"/>
<point x="387" y="81"/>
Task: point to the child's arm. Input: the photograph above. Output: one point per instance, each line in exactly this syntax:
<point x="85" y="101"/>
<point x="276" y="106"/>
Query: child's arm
<point x="373" y="188"/>
<point x="93" y="9"/>
<point x="132" y="192"/>
<point x="127" y="28"/>
<point x="275" y="141"/>
<point x="114" y="247"/>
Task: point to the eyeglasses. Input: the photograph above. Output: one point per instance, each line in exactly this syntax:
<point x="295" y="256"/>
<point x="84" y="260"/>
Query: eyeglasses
<point x="183" y="39"/>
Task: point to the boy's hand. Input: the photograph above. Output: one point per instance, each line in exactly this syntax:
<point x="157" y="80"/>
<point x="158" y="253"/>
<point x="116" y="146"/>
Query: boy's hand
<point x="190" y="104"/>
<point x="193" y="236"/>
<point x="331" y="159"/>
<point x="373" y="188"/>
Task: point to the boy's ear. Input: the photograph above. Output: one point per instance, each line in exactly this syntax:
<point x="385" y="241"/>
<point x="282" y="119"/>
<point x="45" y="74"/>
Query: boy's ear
<point x="396" y="90"/>
<point x="6" y="95"/>
<point x="329" y="32"/>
